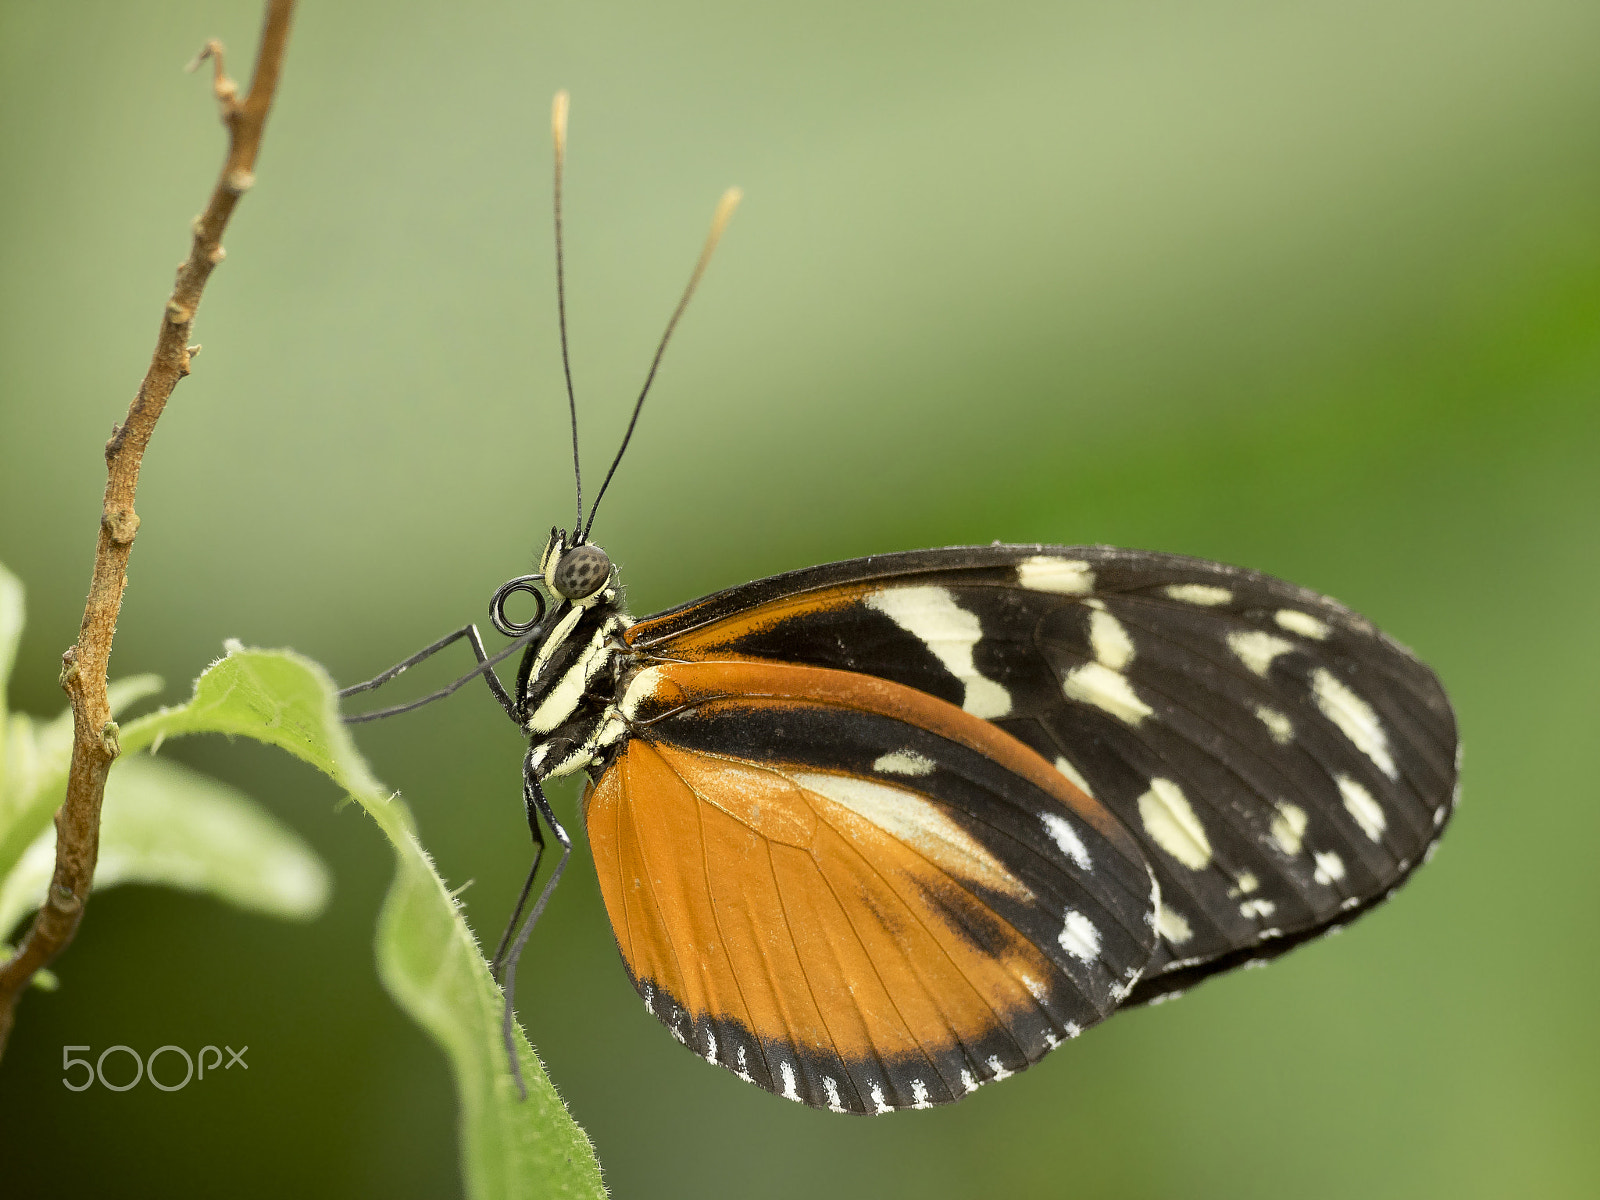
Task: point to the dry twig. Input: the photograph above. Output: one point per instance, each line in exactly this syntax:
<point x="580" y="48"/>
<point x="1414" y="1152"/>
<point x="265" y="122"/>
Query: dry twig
<point x="83" y="672"/>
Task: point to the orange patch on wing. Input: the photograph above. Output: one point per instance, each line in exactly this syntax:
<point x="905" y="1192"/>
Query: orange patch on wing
<point x="745" y="895"/>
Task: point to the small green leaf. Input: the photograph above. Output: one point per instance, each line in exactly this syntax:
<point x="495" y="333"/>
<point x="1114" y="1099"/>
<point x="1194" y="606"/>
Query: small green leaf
<point x="163" y="823"/>
<point x="12" y="615"/>
<point x="35" y="778"/>
<point x="34" y="757"/>
<point x="427" y="956"/>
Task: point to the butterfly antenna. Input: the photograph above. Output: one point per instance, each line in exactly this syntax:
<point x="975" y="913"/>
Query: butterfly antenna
<point x="558" y="128"/>
<point x="719" y="222"/>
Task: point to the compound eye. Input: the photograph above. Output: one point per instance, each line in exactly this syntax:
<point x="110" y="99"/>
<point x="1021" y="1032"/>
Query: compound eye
<point x="581" y="572"/>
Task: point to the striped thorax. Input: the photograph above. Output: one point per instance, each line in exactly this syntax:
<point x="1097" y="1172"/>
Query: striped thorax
<point x="568" y="680"/>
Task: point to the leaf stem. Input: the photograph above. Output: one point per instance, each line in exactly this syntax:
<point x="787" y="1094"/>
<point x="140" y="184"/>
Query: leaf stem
<point x="83" y="672"/>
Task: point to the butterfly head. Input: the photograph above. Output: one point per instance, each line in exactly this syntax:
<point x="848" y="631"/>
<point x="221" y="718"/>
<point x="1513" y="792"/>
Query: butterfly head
<point x="574" y="573"/>
<point x="577" y="577"/>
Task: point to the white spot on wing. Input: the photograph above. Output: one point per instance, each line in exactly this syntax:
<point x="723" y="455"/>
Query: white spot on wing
<point x="968" y="1083"/>
<point x="921" y="824"/>
<point x="1079" y="937"/>
<point x="903" y="762"/>
<point x="744" y="1067"/>
<point x="1072" y="773"/>
<point x="1354" y="717"/>
<point x="1330" y="867"/>
<point x="932" y="616"/>
<point x="1173" y="926"/>
<point x="1066" y="837"/>
<point x="835" y="1104"/>
<point x="999" y="1071"/>
<point x="1257" y="908"/>
<point x="1256" y="649"/>
<point x="1358" y="802"/>
<point x="1097" y="684"/>
<point x="879" y="1104"/>
<point x="919" y="1094"/>
<point x="1172" y="825"/>
<point x="1198" y="593"/>
<point x="787" y="1071"/>
<point x="1109" y="640"/>
<point x="1289" y="827"/>
<point x="711" y="1045"/>
<point x="1044" y="574"/>
<point x="1304" y="624"/>
<point x="1278" y="725"/>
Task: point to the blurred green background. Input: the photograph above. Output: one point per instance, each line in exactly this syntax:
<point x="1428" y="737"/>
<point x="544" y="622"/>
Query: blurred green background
<point x="1312" y="287"/>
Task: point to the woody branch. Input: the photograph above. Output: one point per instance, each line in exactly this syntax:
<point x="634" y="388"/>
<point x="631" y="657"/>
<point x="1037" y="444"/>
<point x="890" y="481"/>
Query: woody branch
<point x="83" y="671"/>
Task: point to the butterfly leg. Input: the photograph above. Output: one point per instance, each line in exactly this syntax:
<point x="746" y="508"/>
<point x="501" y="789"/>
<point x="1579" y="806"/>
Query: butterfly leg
<point x="485" y="668"/>
<point x="537" y="806"/>
<point x="497" y="964"/>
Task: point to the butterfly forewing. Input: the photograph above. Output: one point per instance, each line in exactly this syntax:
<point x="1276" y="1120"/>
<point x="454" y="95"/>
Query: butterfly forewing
<point x="1281" y="763"/>
<point x="853" y="893"/>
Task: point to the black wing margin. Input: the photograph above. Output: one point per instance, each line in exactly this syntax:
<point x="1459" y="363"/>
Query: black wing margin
<point x="1283" y="764"/>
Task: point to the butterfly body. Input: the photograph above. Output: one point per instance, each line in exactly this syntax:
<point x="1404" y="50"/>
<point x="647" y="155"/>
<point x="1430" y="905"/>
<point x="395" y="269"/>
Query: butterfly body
<point x="873" y="833"/>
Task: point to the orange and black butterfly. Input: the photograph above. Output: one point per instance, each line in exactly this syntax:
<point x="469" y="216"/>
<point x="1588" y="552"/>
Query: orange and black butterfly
<point x="874" y="833"/>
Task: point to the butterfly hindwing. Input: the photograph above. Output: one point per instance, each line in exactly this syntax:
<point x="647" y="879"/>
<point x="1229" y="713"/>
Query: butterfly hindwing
<point x="1282" y="764"/>
<point x="853" y="893"/>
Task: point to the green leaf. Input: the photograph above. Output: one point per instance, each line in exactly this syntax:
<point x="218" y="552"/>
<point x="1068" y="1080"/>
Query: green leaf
<point x="35" y="777"/>
<point x="34" y="757"/>
<point x="427" y="956"/>
<point x="12" y="615"/>
<point x="163" y="823"/>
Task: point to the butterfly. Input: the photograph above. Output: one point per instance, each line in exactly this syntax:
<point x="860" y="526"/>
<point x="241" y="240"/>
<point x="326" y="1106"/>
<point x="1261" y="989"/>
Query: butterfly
<point x="874" y="833"/>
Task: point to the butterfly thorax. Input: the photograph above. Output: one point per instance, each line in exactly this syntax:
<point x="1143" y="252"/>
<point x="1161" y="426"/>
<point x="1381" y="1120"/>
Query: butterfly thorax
<point x="569" y="679"/>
